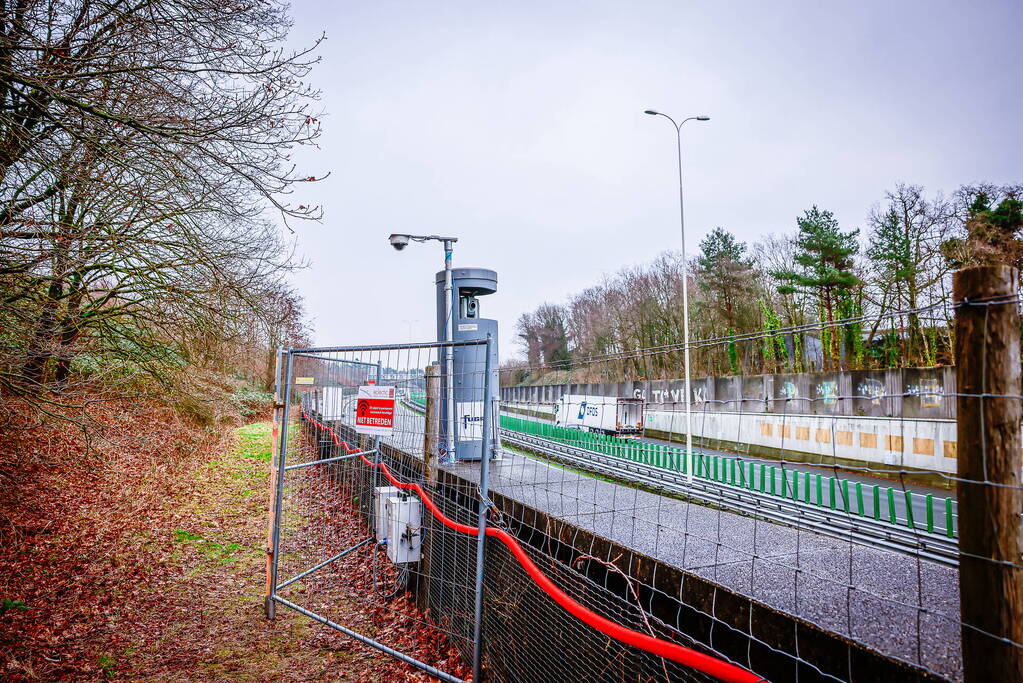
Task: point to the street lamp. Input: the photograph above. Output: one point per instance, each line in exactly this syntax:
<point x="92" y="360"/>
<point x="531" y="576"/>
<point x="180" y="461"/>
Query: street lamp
<point x="399" y="242"/>
<point x="685" y="284"/>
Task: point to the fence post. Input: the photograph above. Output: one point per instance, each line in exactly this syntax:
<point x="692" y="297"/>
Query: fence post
<point x="431" y="435"/>
<point x="269" y="606"/>
<point x="278" y="500"/>
<point x="488" y="406"/>
<point x="431" y="449"/>
<point x="987" y="356"/>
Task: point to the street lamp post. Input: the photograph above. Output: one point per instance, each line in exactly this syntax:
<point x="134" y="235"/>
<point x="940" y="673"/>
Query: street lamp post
<point x="685" y="285"/>
<point x="399" y="242"/>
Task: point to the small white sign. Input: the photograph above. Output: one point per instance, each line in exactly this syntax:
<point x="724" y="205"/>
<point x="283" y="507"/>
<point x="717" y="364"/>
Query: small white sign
<point x="468" y="327"/>
<point x="470" y="420"/>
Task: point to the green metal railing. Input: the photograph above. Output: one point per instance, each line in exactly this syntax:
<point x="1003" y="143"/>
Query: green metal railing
<point x="813" y="489"/>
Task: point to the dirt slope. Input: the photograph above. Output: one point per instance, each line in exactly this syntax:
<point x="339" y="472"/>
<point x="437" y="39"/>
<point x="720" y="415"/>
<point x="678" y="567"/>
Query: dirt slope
<point x="147" y="561"/>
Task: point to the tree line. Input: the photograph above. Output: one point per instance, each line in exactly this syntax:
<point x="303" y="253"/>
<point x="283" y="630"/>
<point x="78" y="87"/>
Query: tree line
<point x="823" y="297"/>
<point x="145" y="170"/>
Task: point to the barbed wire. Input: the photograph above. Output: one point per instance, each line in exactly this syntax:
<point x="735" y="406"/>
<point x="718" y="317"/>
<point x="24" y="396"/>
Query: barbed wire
<point x="664" y="349"/>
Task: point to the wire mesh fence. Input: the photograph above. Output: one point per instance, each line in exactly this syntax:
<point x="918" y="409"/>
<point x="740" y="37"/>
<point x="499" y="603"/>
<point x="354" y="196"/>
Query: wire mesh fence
<point x="341" y="495"/>
<point x="849" y="522"/>
<point x="796" y="541"/>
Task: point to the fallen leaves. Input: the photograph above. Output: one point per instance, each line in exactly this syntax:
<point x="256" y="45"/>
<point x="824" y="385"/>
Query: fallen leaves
<point x="145" y="558"/>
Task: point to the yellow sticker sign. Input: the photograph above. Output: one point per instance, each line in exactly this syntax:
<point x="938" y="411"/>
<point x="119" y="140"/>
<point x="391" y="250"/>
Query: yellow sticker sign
<point x="305" y="380"/>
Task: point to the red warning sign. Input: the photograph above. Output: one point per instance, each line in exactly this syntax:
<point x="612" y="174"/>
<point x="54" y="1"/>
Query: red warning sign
<point x="374" y="410"/>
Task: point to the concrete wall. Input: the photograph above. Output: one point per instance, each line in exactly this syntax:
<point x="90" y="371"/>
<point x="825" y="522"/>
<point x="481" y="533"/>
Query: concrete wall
<point x="885" y="419"/>
<point x="882" y="443"/>
<point x="927" y="393"/>
<point x="894" y="443"/>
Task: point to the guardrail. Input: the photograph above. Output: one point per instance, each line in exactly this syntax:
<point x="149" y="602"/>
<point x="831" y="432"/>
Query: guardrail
<point x="885" y="505"/>
<point x="876" y="515"/>
<point x="837" y="524"/>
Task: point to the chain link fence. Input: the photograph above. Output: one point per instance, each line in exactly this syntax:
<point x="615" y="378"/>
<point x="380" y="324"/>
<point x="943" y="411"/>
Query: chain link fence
<point x="612" y="553"/>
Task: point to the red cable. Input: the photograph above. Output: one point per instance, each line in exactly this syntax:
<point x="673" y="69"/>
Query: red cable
<point x="722" y="670"/>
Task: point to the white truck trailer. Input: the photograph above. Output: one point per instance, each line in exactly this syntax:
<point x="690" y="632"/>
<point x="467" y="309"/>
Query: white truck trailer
<point x="600" y="414"/>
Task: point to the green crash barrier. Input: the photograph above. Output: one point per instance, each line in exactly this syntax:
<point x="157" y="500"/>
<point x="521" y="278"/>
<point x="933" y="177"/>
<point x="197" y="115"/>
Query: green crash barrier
<point x="733" y="471"/>
<point x="949" y="521"/>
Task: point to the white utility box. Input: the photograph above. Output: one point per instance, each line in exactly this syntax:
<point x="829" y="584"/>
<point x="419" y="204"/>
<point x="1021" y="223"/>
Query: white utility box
<point x="404" y="529"/>
<point x="380" y="496"/>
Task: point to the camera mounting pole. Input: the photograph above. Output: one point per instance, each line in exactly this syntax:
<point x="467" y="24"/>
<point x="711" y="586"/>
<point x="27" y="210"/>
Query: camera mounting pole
<point x="449" y="335"/>
<point x="399" y="241"/>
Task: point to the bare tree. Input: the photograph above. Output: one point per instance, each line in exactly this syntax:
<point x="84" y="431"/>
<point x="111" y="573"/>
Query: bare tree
<point x="144" y="152"/>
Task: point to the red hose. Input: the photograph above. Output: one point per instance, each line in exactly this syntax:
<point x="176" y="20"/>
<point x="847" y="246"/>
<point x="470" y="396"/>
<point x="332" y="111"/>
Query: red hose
<point x="722" y="670"/>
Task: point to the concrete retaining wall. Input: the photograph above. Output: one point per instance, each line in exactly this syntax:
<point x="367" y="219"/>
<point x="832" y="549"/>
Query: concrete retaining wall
<point x="877" y="442"/>
<point x="904" y="443"/>
<point x="926" y="393"/>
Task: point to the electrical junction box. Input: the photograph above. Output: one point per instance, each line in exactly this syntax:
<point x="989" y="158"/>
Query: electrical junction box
<point x="380" y="496"/>
<point x="404" y="529"/>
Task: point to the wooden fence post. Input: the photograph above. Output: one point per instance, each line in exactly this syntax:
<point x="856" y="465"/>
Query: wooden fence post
<point x="987" y="354"/>
<point x="431" y="434"/>
<point x="431" y="443"/>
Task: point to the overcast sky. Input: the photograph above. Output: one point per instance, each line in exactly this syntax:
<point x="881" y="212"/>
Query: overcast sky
<point x="519" y="128"/>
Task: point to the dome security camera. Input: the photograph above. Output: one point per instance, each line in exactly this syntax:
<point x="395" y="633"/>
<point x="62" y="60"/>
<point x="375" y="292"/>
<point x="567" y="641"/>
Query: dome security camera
<point x="399" y="242"/>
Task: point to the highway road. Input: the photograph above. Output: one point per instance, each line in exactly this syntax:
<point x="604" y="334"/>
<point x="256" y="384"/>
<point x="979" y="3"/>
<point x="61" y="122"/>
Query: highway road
<point x="840" y="519"/>
<point x="918" y="502"/>
<point x="901" y="605"/>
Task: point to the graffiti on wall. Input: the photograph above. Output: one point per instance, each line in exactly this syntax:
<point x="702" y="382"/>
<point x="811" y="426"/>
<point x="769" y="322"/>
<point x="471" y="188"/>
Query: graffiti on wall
<point x="665" y="396"/>
<point x="789" y="391"/>
<point x="699" y="396"/>
<point x="929" y="391"/>
<point x="677" y="395"/>
<point x="872" y="389"/>
<point x="829" y="392"/>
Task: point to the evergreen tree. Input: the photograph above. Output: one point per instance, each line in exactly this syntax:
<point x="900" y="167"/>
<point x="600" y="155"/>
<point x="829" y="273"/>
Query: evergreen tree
<point x="892" y="256"/>
<point x="994" y="233"/>
<point x="724" y="272"/>
<point x="906" y="262"/>
<point x="825" y="258"/>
